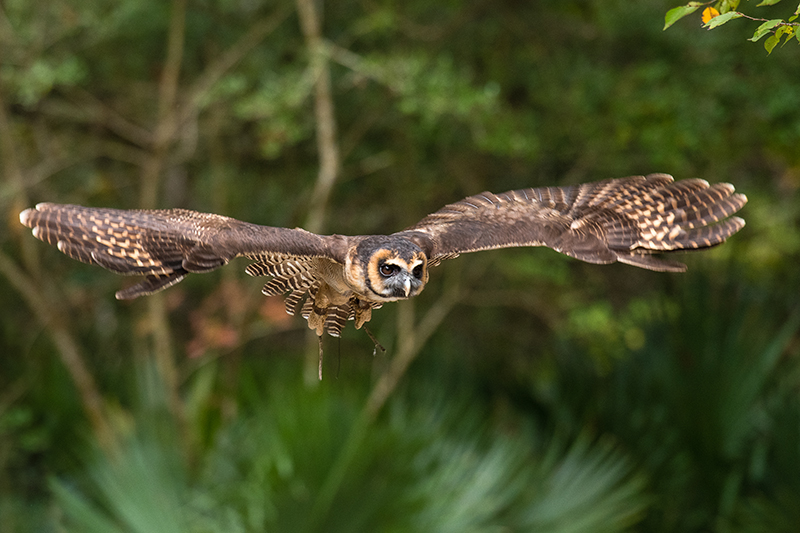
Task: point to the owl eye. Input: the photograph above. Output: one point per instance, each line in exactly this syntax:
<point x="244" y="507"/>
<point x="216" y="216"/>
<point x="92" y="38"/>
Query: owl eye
<point x="387" y="270"/>
<point x="417" y="272"/>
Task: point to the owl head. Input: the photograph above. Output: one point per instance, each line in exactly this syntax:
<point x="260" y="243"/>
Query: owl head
<point x="387" y="268"/>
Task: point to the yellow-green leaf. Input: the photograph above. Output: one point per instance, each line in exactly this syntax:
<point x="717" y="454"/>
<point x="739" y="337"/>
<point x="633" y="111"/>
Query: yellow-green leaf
<point x="771" y="42"/>
<point x="788" y="31"/>
<point x="728" y="5"/>
<point x="795" y="14"/>
<point x="722" y="19"/>
<point x="764" y="29"/>
<point x="768" y="3"/>
<point x="677" y="13"/>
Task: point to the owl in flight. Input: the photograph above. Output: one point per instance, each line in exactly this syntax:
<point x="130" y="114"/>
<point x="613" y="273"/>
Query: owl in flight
<point x="345" y="277"/>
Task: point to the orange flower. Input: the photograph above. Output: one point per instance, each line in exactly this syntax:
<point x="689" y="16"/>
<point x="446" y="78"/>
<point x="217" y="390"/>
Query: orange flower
<point x="709" y="13"/>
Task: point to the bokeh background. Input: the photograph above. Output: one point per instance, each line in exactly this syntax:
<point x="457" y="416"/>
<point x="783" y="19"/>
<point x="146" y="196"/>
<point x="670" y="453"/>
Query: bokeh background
<point x="522" y="391"/>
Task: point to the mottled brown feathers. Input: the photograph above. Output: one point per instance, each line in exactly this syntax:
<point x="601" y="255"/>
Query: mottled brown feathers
<point x="165" y="245"/>
<point x="343" y="278"/>
<point x="625" y="220"/>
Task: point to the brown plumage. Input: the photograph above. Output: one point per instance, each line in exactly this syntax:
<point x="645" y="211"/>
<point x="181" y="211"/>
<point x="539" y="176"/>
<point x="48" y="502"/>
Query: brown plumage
<point x="345" y="277"/>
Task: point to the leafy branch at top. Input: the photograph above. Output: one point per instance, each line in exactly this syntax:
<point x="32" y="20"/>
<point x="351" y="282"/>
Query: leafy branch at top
<point x="719" y="12"/>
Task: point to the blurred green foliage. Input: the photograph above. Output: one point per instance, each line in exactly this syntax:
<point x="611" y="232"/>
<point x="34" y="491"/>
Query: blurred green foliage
<point x="554" y="396"/>
<point x="265" y="467"/>
<point x="721" y="12"/>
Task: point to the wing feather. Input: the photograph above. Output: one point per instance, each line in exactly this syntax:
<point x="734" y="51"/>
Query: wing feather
<point x="625" y="219"/>
<point x="166" y="245"/>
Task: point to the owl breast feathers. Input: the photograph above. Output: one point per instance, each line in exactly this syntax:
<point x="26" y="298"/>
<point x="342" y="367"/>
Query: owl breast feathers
<point x="336" y="278"/>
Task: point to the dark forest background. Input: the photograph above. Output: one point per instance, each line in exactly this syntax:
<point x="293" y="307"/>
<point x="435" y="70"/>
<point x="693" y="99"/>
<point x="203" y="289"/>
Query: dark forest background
<point x="522" y="391"/>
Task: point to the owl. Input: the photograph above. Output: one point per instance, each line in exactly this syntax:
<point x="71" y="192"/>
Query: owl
<point x="335" y="278"/>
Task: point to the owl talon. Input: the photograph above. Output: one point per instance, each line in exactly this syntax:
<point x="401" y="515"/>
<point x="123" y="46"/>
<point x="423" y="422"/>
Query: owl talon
<point x="375" y="341"/>
<point x="319" y="370"/>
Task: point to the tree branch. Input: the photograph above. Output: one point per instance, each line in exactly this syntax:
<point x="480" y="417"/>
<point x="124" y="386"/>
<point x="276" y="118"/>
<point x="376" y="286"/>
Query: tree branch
<point x="163" y="135"/>
<point x="214" y="72"/>
<point x="67" y="349"/>
<point x="35" y="296"/>
<point x="167" y="96"/>
<point x="412" y="337"/>
<point x="327" y="146"/>
<point x="325" y="120"/>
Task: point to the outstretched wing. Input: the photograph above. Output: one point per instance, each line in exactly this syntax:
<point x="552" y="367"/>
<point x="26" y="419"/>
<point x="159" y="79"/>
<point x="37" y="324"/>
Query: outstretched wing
<point x="166" y="245"/>
<point x="625" y="219"/>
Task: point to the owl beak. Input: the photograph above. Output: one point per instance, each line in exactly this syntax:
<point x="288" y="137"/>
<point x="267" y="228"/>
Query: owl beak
<point x="403" y="285"/>
<point x="407" y="286"/>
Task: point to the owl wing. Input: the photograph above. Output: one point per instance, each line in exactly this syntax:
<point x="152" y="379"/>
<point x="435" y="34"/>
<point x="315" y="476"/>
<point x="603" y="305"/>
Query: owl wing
<point x="625" y="219"/>
<point x="166" y="245"/>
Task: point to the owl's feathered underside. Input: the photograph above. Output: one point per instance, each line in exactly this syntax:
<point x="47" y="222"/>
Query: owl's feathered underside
<point x="627" y="220"/>
<point x="297" y="279"/>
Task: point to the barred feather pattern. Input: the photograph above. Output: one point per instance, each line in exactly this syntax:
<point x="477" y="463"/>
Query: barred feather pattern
<point x="665" y="216"/>
<point x="630" y="220"/>
<point x="162" y="245"/>
<point x="331" y="318"/>
<point x="625" y="219"/>
<point x="295" y="278"/>
<point x="334" y="317"/>
<point x="289" y="275"/>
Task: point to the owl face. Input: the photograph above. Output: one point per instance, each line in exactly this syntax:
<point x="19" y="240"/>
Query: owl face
<point x="388" y="269"/>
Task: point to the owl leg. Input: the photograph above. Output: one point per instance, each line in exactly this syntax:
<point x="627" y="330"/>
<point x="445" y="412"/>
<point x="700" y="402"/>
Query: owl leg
<point x="362" y="311"/>
<point x="319" y="338"/>
<point x="375" y="341"/>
